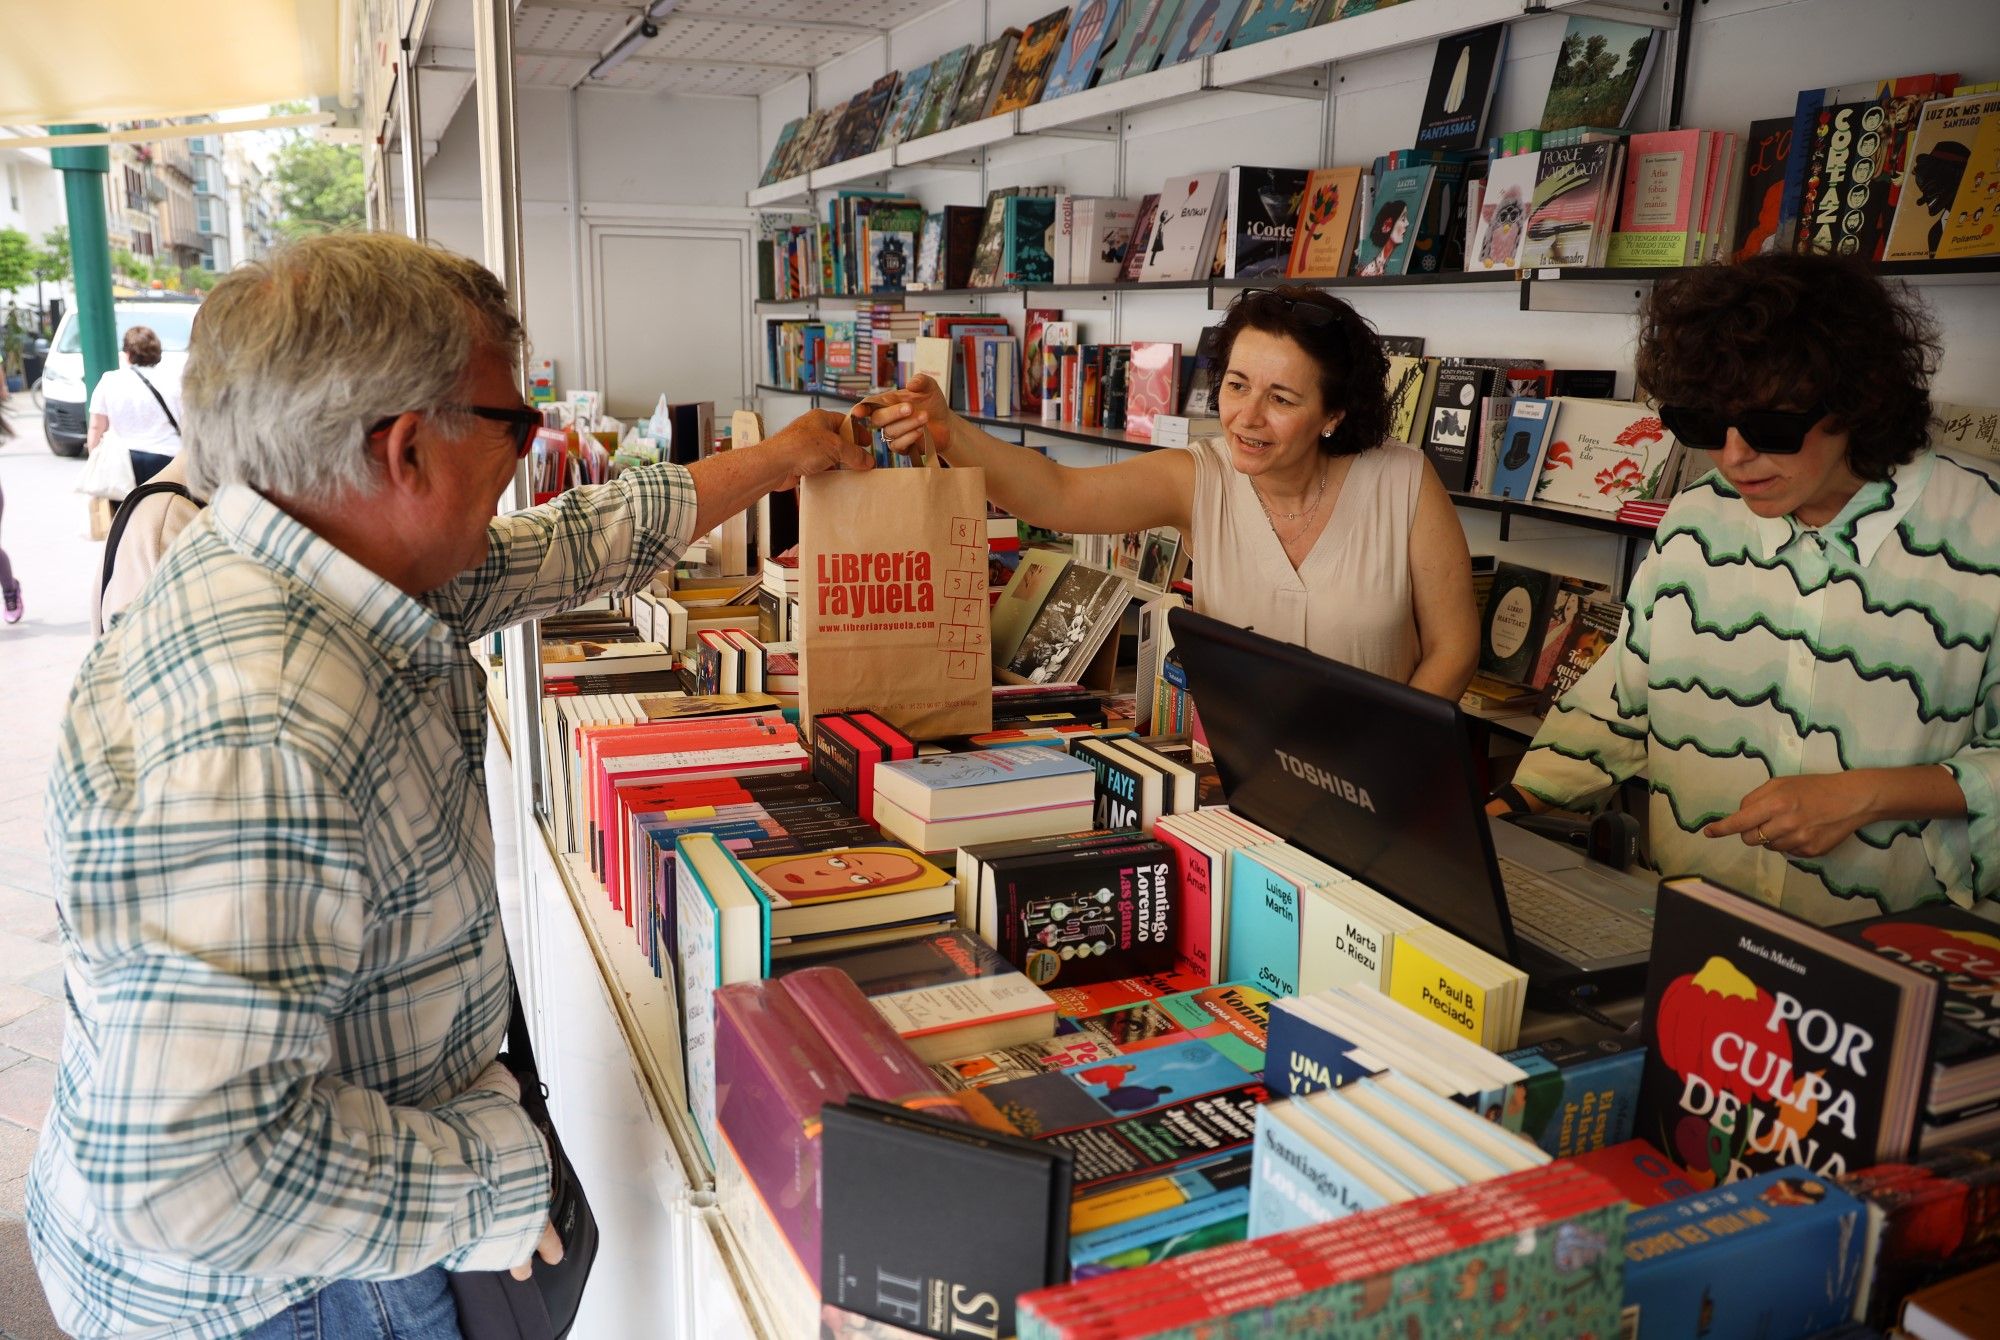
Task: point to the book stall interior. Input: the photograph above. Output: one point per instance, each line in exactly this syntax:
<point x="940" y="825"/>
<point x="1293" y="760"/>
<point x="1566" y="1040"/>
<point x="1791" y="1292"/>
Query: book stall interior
<point x="1033" y="974"/>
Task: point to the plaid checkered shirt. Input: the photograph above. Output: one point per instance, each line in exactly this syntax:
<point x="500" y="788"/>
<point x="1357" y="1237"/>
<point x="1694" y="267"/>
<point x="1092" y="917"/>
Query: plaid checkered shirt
<point x="274" y="868"/>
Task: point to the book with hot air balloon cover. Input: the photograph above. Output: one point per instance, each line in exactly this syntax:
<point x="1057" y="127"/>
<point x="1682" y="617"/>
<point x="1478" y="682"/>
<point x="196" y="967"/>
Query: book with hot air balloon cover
<point x="1772" y="1043"/>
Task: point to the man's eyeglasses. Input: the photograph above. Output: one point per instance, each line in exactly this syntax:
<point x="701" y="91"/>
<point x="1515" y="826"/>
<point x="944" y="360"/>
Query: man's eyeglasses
<point x="1312" y="313"/>
<point x="521" y="424"/>
<point x="1771" y="432"/>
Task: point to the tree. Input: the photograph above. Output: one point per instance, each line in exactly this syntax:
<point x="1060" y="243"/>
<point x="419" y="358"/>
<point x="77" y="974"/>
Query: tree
<point x="51" y="261"/>
<point x="320" y="187"/>
<point x="17" y="263"/>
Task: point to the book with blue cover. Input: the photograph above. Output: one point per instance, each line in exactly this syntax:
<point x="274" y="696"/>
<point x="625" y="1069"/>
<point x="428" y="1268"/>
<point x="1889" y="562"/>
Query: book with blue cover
<point x="1091" y="25"/>
<point x="1300" y="1056"/>
<point x="989" y="781"/>
<point x="1263" y="924"/>
<point x="1130" y="1085"/>
<point x="1580" y="1096"/>
<point x="1517" y="466"/>
<point x="1263" y="20"/>
<point x="1780" y="1253"/>
<point x="1389" y="235"/>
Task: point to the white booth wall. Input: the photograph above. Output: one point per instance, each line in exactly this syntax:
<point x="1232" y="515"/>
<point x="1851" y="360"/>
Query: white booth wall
<point x="640" y="257"/>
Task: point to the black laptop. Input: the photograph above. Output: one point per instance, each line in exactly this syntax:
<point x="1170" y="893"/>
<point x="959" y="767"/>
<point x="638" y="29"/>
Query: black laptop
<point x="1379" y="780"/>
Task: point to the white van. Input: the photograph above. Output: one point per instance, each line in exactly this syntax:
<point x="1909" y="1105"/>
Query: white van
<point x="65" y="407"/>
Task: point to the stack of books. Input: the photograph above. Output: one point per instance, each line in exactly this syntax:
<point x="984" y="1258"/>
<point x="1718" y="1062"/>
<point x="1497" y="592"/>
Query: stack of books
<point x="1136" y="784"/>
<point x="1928" y="1218"/>
<point x="1203" y="841"/>
<point x="1554" y="1233"/>
<point x="1332" y="1038"/>
<point x="1378" y="1140"/>
<point x="1297" y="924"/>
<point x="941" y="802"/>
<point x="1962" y="952"/>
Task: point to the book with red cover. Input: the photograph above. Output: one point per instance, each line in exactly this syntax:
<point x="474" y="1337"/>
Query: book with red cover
<point x="1153" y="386"/>
<point x="1032" y="353"/>
<point x="881" y="1063"/>
<point x="1085" y="1002"/>
<point x="844" y="757"/>
<point x="1935" y="1216"/>
<point x="773" y="1073"/>
<point x="659" y="752"/>
<point x="1641" y="1172"/>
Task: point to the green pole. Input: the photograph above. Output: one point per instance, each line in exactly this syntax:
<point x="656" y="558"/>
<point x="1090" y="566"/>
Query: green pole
<point x="83" y="172"/>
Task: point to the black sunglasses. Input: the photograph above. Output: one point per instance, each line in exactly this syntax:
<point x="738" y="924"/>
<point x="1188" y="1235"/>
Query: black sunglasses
<point x="521" y="424"/>
<point x="1771" y="432"/>
<point x="1312" y="313"/>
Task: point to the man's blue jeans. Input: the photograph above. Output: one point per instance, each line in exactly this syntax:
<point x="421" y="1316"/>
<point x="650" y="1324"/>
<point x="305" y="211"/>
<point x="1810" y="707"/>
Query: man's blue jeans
<point x="417" y="1308"/>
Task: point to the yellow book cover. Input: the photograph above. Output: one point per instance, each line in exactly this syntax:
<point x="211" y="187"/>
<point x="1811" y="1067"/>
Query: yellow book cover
<point x="1972" y="225"/>
<point x="1422" y="981"/>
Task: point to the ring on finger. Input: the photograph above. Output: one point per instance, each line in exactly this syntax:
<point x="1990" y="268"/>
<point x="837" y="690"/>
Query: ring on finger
<point x="1762" y="840"/>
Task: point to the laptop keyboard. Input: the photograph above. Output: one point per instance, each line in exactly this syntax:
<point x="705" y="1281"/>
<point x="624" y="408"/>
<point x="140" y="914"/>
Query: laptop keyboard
<point x="1565" y="922"/>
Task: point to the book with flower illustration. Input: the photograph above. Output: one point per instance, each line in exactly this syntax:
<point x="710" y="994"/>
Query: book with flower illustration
<point x="1602" y="453"/>
<point x="1323" y="246"/>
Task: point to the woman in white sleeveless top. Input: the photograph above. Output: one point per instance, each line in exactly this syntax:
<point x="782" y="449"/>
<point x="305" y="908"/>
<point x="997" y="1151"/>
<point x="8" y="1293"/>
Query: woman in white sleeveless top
<point x="1306" y="522"/>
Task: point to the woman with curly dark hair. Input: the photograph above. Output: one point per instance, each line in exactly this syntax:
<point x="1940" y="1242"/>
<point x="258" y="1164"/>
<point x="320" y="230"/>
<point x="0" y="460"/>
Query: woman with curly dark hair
<point x="1306" y="521"/>
<point x="1809" y="672"/>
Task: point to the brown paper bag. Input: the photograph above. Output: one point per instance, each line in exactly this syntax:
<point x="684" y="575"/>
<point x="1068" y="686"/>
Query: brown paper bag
<point x="893" y="615"/>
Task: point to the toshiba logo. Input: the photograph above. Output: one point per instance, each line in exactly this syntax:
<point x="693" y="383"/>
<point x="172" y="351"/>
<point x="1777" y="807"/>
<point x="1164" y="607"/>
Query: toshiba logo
<point x="1326" y="781"/>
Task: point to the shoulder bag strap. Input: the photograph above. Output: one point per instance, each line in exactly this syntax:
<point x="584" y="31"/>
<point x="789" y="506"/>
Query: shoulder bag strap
<point x="162" y="399"/>
<point x="125" y="510"/>
<point x="519" y="1047"/>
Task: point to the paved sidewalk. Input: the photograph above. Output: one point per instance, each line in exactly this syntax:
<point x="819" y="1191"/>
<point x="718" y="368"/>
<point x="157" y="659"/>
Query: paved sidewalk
<point x="46" y="533"/>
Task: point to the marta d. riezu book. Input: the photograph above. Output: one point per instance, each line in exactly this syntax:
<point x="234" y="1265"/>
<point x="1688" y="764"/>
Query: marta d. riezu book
<point x="898" y="1243"/>
<point x="1773" y="1043"/>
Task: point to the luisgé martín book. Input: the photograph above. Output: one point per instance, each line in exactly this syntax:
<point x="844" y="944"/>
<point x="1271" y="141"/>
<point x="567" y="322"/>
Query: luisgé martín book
<point x="1773" y="1043"/>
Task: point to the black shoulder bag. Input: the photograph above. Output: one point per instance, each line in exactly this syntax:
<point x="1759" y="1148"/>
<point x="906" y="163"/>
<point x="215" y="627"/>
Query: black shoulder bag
<point x="492" y="1304"/>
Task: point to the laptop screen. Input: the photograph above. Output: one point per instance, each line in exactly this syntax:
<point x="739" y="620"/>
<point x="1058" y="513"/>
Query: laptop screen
<point x="1367" y="774"/>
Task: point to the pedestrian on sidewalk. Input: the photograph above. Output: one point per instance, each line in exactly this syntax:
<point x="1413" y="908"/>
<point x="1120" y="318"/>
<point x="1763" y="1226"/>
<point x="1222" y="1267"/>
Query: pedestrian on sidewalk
<point x="136" y="407"/>
<point x="11" y="608"/>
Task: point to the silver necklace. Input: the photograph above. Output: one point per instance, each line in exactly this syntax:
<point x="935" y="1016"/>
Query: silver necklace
<point x="1308" y="510"/>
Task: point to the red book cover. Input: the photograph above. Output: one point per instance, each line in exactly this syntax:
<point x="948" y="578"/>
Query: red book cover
<point x="1032" y="354"/>
<point x="866" y="752"/>
<point x="1191" y="937"/>
<point x="881" y="1063"/>
<point x="679" y="737"/>
<point x="773" y="1073"/>
<point x="1085" y="1002"/>
<point x="1638" y="1170"/>
<point x="1152" y="387"/>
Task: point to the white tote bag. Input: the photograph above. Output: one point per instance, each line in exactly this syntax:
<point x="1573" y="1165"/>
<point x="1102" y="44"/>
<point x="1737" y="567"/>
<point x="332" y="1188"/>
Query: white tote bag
<point x="107" y="474"/>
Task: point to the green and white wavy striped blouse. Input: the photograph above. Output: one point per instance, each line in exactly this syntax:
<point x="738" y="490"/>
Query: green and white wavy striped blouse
<point x="1756" y="648"/>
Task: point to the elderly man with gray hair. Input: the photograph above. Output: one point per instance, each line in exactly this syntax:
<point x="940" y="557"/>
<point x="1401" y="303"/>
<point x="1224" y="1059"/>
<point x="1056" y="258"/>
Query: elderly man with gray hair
<point x="278" y="1110"/>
